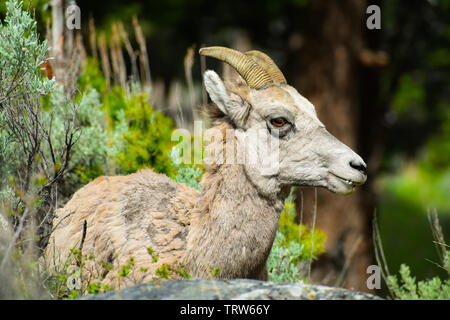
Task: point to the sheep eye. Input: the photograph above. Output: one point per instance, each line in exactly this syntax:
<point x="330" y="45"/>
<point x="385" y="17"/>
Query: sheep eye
<point x="278" y="122"/>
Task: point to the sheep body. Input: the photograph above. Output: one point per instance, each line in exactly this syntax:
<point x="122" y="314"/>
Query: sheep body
<point x="125" y="216"/>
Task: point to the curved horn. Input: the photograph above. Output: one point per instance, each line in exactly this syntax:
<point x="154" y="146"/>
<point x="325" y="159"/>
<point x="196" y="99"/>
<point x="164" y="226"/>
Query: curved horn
<point x="255" y="75"/>
<point x="268" y="64"/>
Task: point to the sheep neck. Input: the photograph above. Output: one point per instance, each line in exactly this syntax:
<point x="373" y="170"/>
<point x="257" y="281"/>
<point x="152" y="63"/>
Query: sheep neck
<point x="232" y="227"/>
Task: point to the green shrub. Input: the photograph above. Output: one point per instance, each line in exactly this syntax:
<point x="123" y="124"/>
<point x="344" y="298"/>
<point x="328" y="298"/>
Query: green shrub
<point x="293" y="246"/>
<point x="92" y="77"/>
<point x="139" y="134"/>
<point x="283" y="262"/>
<point x="408" y="289"/>
<point x="21" y="146"/>
<point x="20" y="276"/>
<point x="69" y="278"/>
<point x="36" y="122"/>
<point x="313" y="241"/>
<point x="21" y="54"/>
<point x="190" y="175"/>
<point x="90" y="155"/>
<point x="148" y="139"/>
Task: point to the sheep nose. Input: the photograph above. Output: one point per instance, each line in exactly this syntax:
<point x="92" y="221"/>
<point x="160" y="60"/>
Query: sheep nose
<point x="360" y="166"/>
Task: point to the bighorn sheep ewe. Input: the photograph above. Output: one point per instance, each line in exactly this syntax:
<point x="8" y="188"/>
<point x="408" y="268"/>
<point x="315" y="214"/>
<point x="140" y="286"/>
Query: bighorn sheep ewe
<point x="232" y="223"/>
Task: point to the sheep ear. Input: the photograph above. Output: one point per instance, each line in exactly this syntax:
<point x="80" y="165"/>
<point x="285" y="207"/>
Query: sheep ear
<point x="230" y="104"/>
<point x="216" y="90"/>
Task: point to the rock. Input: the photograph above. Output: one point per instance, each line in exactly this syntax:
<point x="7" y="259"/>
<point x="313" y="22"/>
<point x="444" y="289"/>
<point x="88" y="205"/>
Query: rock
<point x="237" y="289"/>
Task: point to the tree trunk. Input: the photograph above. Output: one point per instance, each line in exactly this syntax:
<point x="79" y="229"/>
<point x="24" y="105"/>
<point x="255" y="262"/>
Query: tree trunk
<point x="327" y="72"/>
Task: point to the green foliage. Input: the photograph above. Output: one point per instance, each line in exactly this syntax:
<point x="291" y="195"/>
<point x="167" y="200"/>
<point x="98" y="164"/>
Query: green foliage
<point x="147" y="139"/>
<point x="26" y="96"/>
<point x="416" y="160"/>
<point x="184" y="173"/>
<point x="408" y="289"/>
<point x="176" y="269"/>
<point x="139" y="135"/>
<point x="90" y="155"/>
<point x="293" y="246"/>
<point x="92" y="77"/>
<point x="311" y="240"/>
<point x="164" y="271"/>
<point x="38" y="7"/>
<point x="182" y="272"/>
<point x="215" y="272"/>
<point x="436" y="155"/>
<point x="71" y="279"/>
<point x="283" y="264"/>
<point x="126" y="269"/>
<point x="21" y="54"/>
<point x="152" y="253"/>
<point x="410" y="94"/>
<point x="9" y="164"/>
<point x="96" y="288"/>
<point x="408" y="192"/>
<point x="418" y="187"/>
<point x="20" y="276"/>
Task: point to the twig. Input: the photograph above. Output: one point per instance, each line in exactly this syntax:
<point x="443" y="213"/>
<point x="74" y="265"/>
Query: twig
<point x="14" y="239"/>
<point x="93" y="37"/>
<point x="106" y="66"/>
<point x="83" y="236"/>
<point x="312" y="233"/>
<point x="131" y="53"/>
<point x="379" y="253"/>
<point x="437" y="264"/>
<point x="143" y="55"/>
<point x="438" y="236"/>
<point x="116" y="46"/>
<point x="437" y="232"/>
<point x="62" y="219"/>
<point x="301" y="215"/>
<point x="340" y="279"/>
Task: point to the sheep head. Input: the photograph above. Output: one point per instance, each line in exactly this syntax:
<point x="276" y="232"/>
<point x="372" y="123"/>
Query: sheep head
<point x="291" y="145"/>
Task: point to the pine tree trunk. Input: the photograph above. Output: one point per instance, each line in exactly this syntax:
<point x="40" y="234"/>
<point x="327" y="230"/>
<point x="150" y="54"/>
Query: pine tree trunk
<point x="327" y="72"/>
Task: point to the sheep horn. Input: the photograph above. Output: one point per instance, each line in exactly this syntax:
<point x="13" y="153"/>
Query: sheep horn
<point x="268" y="64"/>
<point x="255" y="75"/>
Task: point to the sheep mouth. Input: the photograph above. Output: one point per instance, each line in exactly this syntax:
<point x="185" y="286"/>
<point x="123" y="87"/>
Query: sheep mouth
<point x="349" y="182"/>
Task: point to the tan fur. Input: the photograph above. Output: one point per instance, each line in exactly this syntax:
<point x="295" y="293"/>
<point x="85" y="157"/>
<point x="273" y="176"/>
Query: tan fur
<point x="233" y="226"/>
<point x="125" y="215"/>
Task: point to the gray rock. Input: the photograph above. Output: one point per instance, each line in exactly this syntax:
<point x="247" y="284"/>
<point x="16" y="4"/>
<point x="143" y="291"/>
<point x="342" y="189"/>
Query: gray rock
<point x="237" y="289"/>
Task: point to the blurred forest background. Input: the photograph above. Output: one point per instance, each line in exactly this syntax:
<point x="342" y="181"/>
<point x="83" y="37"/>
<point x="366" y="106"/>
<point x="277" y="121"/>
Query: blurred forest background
<point x="384" y="92"/>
